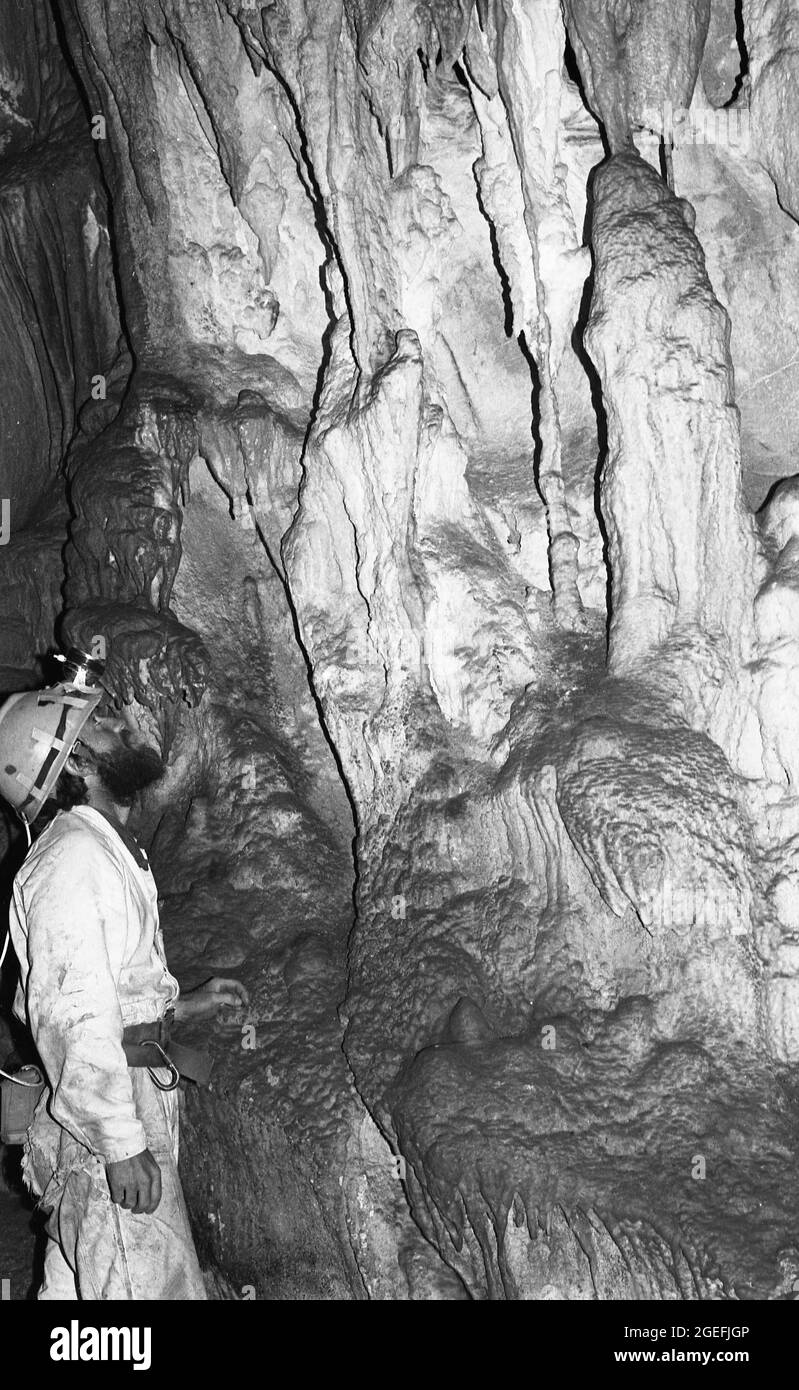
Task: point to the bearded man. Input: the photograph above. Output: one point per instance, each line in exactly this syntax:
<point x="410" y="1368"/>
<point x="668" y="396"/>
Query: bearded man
<point x="99" y="1000"/>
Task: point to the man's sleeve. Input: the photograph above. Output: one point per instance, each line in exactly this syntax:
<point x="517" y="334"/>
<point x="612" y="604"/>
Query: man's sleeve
<point x="77" y="931"/>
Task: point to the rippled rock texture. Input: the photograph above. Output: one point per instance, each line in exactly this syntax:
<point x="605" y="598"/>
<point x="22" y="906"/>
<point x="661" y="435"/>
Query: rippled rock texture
<point x="405" y="399"/>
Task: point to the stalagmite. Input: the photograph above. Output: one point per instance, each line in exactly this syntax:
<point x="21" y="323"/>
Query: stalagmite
<point x="686" y="559"/>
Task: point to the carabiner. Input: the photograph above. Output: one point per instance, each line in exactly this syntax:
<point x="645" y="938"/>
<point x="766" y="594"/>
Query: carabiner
<point x="150" y="1042"/>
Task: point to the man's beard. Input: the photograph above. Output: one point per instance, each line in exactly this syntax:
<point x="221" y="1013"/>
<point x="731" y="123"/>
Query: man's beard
<point x="128" y="770"/>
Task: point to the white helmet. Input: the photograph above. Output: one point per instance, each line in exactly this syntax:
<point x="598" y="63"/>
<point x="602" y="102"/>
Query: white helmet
<point x="38" y="730"/>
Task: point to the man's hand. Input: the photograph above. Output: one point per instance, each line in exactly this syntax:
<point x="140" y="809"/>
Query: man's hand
<point x="207" y="1000"/>
<point x="135" y="1183"/>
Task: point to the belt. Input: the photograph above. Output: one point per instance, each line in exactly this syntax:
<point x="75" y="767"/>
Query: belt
<point x="138" y="1039"/>
<point x="150" y="1045"/>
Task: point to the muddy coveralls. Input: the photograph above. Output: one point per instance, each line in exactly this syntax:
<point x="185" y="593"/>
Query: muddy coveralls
<point x="84" y="923"/>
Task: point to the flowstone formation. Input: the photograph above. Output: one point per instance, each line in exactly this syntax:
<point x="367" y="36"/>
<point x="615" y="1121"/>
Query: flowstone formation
<point x="416" y="434"/>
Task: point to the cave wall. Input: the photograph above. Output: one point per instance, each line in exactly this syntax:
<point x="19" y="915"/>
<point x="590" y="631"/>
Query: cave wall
<point x="63" y="347"/>
<point x="60" y="323"/>
<point x="428" y="517"/>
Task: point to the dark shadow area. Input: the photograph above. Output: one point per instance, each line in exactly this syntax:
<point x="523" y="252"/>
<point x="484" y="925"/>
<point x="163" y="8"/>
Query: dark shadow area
<point x="12" y="848"/>
<point x="740" y="36"/>
<point x="597" y="400"/>
<point x="504" y="283"/>
<point x="535" y="409"/>
<point x="572" y="69"/>
<point x="83" y="96"/>
<point x="23" y="1239"/>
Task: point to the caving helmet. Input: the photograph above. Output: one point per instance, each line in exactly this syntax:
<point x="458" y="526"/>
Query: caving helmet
<point x="39" y="729"/>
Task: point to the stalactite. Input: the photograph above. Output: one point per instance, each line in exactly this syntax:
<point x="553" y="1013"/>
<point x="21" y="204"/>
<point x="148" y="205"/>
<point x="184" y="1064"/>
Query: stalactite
<point x="520" y="129"/>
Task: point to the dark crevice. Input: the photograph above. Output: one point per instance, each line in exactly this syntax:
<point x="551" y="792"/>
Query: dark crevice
<point x="740" y="36"/>
<point x="507" y="300"/>
<point x="572" y="70"/>
<point x="504" y="283"/>
<point x="598" y="404"/>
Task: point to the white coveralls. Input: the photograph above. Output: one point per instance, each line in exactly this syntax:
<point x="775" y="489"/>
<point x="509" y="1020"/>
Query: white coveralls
<point x="84" y="923"/>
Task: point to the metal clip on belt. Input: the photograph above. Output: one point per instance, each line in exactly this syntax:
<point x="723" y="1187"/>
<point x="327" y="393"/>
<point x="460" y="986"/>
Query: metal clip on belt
<point x="181" y="1060"/>
<point x="162" y="1085"/>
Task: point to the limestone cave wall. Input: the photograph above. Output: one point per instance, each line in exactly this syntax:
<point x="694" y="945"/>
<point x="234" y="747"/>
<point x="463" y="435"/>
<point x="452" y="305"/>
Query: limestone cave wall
<point x="405" y="391"/>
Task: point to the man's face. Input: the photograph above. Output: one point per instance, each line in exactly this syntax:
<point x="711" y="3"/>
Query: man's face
<point x="125" y="763"/>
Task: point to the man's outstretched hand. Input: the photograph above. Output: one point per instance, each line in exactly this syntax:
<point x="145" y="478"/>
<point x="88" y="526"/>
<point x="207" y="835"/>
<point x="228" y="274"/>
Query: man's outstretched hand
<point x="135" y="1183"/>
<point x="206" y="1000"/>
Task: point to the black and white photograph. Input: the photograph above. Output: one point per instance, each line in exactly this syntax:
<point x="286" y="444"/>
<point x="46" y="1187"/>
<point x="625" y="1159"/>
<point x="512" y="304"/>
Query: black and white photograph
<point x="399" y="672"/>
